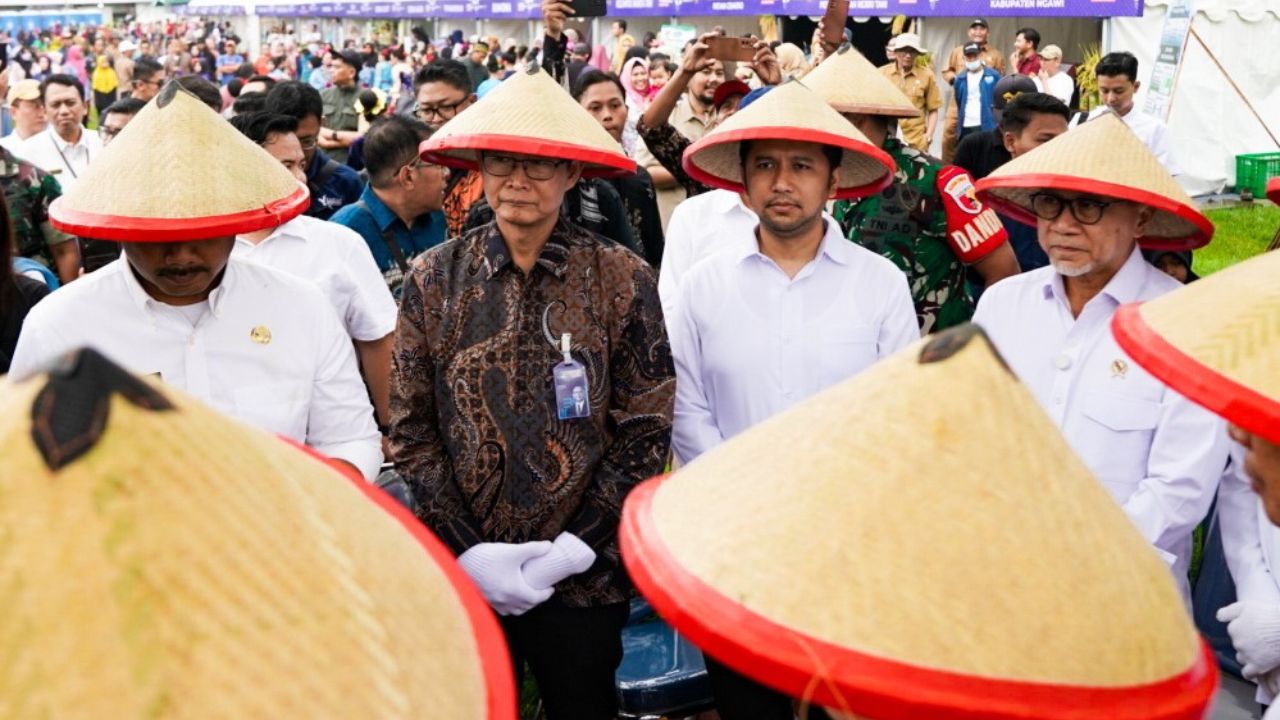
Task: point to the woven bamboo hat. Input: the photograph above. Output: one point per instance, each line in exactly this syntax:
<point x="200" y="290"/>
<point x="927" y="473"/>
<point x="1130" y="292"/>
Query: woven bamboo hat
<point x="790" y="111"/>
<point x="850" y="83"/>
<point x="528" y="113"/>
<point x="919" y="542"/>
<point x="1101" y="157"/>
<point x="130" y="192"/>
<point x="1215" y="342"/>
<point x="163" y="561"/>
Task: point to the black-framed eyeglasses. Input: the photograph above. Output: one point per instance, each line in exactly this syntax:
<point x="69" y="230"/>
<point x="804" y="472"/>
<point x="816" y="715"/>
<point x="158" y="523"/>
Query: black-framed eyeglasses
<point x="534" y="168"/>
<point x="1086" y="211"/>
<point x="444" y="111"/>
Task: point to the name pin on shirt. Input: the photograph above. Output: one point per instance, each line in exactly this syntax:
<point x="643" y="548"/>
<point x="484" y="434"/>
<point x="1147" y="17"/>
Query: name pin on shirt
<point x="570" y="379"/>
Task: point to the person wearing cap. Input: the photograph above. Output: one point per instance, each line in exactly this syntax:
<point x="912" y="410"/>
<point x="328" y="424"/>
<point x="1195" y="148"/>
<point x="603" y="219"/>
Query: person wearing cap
<point x="340" y="121"/>
<point x="1117" y="75"/>
<point x="578" y="57"/>
<point x="65" y="148"/>
<point x="1097" y="195"/>
<point x="26" y="109"/>
<point x="920" y="87"/>
<point x="990" y="55"/>
<point x="1050" y="79"/>
<point x="28" y="192"/>
<point x="475" y="61"/>
<point x="254" y="342"/>
<point x="974" y="92"/>
<point x="333" y="185"/>
<point x="330" y="255"/>
<point x="856" y="553"/>
<point x="927" y="221"/>
<point x="228" y="62"/>
<point x="1028" y="121"/>
<point x="536" y="306"/>
<point x="198" y="555"/>
<point x="124" y="64"/>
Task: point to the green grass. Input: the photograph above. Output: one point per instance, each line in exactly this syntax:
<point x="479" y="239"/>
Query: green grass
<point x="1239" y="233"/>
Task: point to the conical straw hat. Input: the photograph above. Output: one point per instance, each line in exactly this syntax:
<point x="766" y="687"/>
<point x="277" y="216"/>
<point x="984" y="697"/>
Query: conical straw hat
<point x="1101" y="157"/>
<point x="850" y="83"/>
<point x="789" y="112"/>
<point x="1216" y="341"/>
<point x="140" y="189"/>
<point x="160" y="560"/>
<point x="529" y="114"/>
<point x="919" y="542"/>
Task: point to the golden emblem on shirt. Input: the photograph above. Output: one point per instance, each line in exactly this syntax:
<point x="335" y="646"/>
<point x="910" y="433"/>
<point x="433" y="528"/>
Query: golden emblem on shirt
<point x="260" y="335"/>
<point x="1119" y="368"/>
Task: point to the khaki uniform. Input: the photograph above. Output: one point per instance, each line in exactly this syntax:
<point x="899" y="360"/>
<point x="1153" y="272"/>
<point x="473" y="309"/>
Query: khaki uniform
<point x="921" y="87"/>
<point x="993" y="58"/>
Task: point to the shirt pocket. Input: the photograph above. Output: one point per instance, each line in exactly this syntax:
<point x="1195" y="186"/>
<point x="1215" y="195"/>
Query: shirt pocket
<point x="1122" y="429"/>
<point x="279" y="407"/>
<point x="847" y="351"/>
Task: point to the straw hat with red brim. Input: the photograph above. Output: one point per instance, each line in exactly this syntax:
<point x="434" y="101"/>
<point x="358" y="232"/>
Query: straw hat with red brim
<point x="528" y="114"/>
<point x="789" y="112"/>
<point x="1101" y="157"/>
<point x="919" y="542"/>
<point x="132" y="192"/>
<point x="1215" y="341"/>
<point x="850" y="83"/>
<point x="163" y="560"/>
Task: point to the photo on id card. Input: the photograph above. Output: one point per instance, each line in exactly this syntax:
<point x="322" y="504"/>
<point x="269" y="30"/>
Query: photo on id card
<point x="572" y="399"/>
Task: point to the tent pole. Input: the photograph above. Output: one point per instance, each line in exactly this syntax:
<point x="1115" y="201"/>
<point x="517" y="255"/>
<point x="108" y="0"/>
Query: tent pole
<point x="1235" y="87"/>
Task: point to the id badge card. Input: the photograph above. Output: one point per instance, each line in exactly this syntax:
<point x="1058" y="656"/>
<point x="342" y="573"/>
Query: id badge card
<point x="573" y="399"/>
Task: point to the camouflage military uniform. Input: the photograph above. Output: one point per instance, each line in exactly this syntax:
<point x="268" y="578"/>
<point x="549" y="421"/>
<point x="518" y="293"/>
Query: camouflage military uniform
<point x="28" y="191"/>
<point x="907" y="224"/>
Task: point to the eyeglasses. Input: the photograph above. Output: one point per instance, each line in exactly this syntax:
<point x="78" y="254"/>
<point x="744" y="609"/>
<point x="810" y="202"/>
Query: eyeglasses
<point x="1086" y="211"/>
<point x="308" y="143"/>
<point x="443" y="111"/>
<point x="534" y="168"/>
<point x="108" y="133"/>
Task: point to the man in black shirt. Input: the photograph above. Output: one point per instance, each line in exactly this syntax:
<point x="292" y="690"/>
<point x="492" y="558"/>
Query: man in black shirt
<point x="982" y="152"/>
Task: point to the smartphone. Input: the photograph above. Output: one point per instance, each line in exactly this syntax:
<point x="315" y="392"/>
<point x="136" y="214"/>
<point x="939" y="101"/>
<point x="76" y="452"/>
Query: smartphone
<point x="588" y="8"/>
<point x="736" y="49"/>
<point x="833" y="22"/>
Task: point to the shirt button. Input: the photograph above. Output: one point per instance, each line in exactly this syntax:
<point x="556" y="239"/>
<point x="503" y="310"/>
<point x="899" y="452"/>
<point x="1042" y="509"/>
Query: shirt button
<point x="1062" y="362"/>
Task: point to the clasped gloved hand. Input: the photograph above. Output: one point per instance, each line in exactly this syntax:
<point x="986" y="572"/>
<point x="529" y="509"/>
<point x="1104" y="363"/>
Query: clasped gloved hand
<point x="1255" y="633"/>
<point x="496" y="568"/>
<point x="569" y="556"/>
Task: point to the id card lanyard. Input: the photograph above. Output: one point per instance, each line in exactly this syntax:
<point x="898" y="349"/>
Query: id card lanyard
<point x="573" y="399"/>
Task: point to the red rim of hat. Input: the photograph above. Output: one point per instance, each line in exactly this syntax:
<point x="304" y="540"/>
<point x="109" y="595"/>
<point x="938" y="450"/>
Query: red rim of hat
<point x="787" y="132"/>
<point x="1094" y="187"/>
<point x="1273" y="190"/>
<point x="1203" y="385"/>
<point x="136" y="229"/>
<point x="597" y="162"/>
<point x="491" y="646"/>
<point x="803" y="666"/>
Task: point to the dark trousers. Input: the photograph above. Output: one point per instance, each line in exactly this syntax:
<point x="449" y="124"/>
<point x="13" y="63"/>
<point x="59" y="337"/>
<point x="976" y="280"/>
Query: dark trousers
<point x="740" y="698"/>
<point x="573" y="654"/>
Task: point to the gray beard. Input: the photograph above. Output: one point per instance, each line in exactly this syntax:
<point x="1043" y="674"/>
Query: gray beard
<point x="1072" y="271"/>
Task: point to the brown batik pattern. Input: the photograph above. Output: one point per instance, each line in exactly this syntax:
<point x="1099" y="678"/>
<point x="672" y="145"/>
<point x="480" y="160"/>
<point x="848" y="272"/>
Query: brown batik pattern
<point x="474" y="427"/>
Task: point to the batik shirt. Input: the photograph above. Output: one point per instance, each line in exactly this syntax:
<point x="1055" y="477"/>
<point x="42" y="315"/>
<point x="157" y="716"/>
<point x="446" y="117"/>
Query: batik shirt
<point x="474" y="422"/>
<point x="907" y="224"/>
<point x="28" y="191"/>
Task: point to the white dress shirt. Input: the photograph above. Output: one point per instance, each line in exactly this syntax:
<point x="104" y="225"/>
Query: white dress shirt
<point x="1157" y="453"/>
<point x="750" y="342"/>
<point x="1152" y="132"/>
<point x="66" y="161"/>
<point x="337" y="260"/>
<point x="1060" y="85"/>
<point x="1250" y="542"/>
<point x="12" y="142"/>
<point x="302" y="382"/>
<point x="700" y="227"/>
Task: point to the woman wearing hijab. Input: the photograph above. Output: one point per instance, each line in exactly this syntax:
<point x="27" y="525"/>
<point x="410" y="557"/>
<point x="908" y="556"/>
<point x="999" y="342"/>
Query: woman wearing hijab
<point x="790" y="60"/>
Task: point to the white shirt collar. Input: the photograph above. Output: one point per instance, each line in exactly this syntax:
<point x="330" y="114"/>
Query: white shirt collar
<point x="292" y="229"/>
<point x="61" y="144"/>
<point x="1124" y="287"/>
<point x="143" y="301"/>
<point x="833" y="247"/>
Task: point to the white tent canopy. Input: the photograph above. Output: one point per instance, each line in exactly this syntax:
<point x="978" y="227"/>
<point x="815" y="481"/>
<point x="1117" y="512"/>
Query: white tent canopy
<point x="1209" y="122"/>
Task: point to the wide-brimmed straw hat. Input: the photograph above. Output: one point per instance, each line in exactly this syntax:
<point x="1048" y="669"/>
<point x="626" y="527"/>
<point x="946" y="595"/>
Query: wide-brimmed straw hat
<point x="790" y="111"/>
<point x="1214" y="341"/>
<point x="163" y="560"/>
<point x="139" y="188"/>
<point x="919" y="542"/>
<point x="529" y="114"/>
<point x="1101" y="157"/>
<point x="850" y="83"/>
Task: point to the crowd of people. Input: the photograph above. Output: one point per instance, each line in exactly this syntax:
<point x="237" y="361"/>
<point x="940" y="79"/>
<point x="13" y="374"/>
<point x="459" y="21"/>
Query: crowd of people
<point x="531" y="278"/>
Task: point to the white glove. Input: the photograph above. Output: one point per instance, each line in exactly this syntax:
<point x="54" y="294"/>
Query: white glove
<point x="1270" y="681"/>
<point x="568" y="556"/>
<point x="1255" y="631"/>
<point x="495" y="569"/>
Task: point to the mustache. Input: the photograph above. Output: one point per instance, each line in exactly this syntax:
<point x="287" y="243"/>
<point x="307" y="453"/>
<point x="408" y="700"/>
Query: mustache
<point x="181" y="270"/>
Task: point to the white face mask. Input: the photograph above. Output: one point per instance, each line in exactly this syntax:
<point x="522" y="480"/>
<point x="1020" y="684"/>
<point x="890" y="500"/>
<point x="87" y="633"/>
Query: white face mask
<point x="973" y="65"/>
